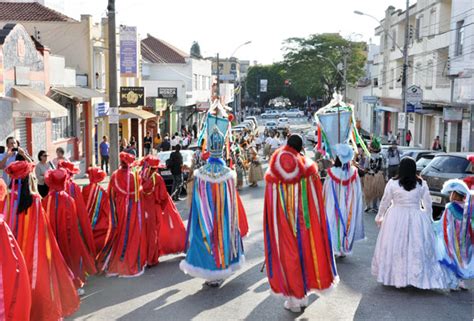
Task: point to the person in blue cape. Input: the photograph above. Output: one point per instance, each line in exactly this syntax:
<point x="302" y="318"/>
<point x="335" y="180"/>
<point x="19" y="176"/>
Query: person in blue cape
<point x="214" y="234"/>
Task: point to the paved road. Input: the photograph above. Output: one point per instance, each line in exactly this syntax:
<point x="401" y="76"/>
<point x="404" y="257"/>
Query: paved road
<point x="165" y="293"/>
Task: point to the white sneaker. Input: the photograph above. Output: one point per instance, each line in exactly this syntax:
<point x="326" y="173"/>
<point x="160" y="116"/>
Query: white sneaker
<point x="81" y="292"/>
<point x="288" y="305"/>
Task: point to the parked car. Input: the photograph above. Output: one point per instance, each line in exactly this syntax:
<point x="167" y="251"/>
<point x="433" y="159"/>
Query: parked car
<point x="271" y="125"/>
<point x="423" y="161"/>
<point x="311" y="136"/>
<point x="270" y="114"/>
<point x="440" y="169"/>
<point x="416" y="153"/>
<point x="283" y="123"/>
<point x="292" y="113"/>
<point x="254" y="119"/>
<point x="166" y="173"/>
<point x="250" y="124"/>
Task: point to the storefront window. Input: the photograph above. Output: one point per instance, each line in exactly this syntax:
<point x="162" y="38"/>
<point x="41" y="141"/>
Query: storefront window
<point x="59" y="128"/>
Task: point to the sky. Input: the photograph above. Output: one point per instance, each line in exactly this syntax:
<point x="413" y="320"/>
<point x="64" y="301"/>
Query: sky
<point x="221" y="26"/>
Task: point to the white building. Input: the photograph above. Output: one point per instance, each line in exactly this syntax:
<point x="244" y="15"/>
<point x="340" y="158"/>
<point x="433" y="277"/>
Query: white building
<point x="428" y="68"/>
<point x="460" y="135"/>
<point x="187" y="78"/>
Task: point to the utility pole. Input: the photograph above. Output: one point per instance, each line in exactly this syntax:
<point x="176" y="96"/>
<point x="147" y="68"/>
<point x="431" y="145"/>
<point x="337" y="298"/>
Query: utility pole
<point x="113" y="127"/>
<point x="405" y="69"/>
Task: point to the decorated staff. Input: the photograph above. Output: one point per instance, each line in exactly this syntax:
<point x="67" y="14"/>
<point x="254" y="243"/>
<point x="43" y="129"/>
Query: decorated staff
<point x="214" y="241"/>
<point x="298" y="252"/>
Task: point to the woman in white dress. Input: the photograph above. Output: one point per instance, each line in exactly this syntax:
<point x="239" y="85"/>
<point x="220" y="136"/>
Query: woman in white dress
<point x="405" y="253"/>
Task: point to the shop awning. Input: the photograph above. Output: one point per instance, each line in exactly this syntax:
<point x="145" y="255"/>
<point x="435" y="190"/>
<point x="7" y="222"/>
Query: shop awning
<point x="129" y="112"/>
<point x="34" y="104"/>
<point x="387" y="108"/>
<point x="78" y="93"/>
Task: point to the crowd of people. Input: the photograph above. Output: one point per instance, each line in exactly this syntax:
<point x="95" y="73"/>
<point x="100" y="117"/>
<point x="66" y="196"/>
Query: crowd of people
<point x="53" y="234"/>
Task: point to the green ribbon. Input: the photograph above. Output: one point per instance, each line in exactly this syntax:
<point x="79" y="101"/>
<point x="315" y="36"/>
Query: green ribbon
<point x="304" y="199"/>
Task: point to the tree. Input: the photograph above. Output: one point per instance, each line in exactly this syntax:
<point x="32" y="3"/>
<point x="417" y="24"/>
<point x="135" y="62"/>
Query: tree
<point x="312" y="62"/>
<point x="195" y="50"/>
<point x="274" y="74"/>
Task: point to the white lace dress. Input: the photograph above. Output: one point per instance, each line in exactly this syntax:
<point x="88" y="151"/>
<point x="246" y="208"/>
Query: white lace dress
<point x="405" y="250"/>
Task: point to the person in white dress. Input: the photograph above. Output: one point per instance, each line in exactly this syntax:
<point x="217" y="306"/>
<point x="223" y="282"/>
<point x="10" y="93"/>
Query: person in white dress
<point x="405" y="250"/>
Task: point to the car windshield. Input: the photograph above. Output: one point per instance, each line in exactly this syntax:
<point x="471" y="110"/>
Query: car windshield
<point x="422" y="162"/>
<point x="448" y="164"/>
<point x="271" y="123"/>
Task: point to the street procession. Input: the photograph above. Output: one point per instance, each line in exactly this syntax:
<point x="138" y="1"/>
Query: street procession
<point x="329" y="175"/>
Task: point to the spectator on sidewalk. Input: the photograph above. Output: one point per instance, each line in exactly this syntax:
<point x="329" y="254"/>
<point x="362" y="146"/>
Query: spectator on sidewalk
<point x="147" y="141"/>
<point x="59" y="157"/>
<point x="195" y="130"/>
<point x="123" y="144"/>
<point x="132" y="149"/>
<point x="157" y="142"/>
<point x="8" y="157"/>
<point x="175" y="140"/>
<point x="393" y="160"/>
<point x="104" y="148"/>
<point x="174" y="163"/>
<point x="40" y="170"/>
<point x="436" y="144"/>
<point x="165" y="145"/>
<point x="408" y="137"/>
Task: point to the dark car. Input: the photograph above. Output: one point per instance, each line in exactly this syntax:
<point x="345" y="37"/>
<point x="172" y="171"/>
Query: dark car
<point x="423" y="161"/>
<point x="440" y="169"/>
<point x="166" y="173"/>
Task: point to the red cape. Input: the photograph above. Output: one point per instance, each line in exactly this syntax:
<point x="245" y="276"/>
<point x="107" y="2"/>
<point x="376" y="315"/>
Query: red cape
<point x="15" y="293"/>
<point x="86" y="230"/>
<point x="53" y="292"/>
<point x="298" y="252"/>
<point x="101" y="220"/>
<point x="128" y="256"/>
<point x="62" y="215"/>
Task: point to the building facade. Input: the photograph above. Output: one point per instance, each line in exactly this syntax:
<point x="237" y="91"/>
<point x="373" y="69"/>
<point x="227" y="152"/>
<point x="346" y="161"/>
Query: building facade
<point x="428" y="52"/>
<point x="183" y="81"/>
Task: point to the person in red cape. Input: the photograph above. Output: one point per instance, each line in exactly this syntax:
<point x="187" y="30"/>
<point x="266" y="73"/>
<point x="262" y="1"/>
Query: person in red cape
<point x="298" y="252"/>
<point x="470" y="179"/>
<point x="100" y="217"/>
<point x="75" y="192"/>
<point x="52" y="289"/>
<point x="171" y="233"/>
<point x="62" y="214"/>
<point x="15" y="292"/>
<point x="128" y="256"/>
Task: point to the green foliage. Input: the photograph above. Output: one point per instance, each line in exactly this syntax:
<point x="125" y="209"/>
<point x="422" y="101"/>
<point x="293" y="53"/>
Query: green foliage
<point x="196" y="50"/>
<point x="308" y="63"/>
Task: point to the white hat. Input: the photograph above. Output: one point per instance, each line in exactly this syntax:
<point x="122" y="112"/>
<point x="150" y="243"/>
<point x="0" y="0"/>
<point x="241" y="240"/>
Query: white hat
<point x="344" y="152"/>
<point x="455" y="185"/>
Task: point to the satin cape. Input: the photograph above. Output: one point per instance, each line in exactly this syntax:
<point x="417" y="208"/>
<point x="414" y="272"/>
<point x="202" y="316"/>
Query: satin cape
<point x="298" y="252"/>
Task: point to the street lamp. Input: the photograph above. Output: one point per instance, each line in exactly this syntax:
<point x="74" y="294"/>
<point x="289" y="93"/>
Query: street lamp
<point x="405" y="57"/>
<point x="344" y="76"/>
<point x="232" y="54"/>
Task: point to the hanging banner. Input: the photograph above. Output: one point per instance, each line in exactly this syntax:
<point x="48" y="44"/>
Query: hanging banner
<point x="128" y="51"/>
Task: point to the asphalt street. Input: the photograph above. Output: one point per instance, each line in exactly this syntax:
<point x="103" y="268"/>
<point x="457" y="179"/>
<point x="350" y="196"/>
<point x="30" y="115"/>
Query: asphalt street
<point x="166" y="293"/>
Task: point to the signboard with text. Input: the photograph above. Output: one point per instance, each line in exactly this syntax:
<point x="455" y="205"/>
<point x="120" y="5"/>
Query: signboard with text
<point x="128" y="51"/>
<point x="414" y="97"/>
<point x="451" y="114"/>
<point x="160" y="104"/>
<point x="101" y="109"/>
<point x="132" y="96"/>
<point x="168" y="92"/>
<point x="263" y="85"/>
<point x="370" y="99"/>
